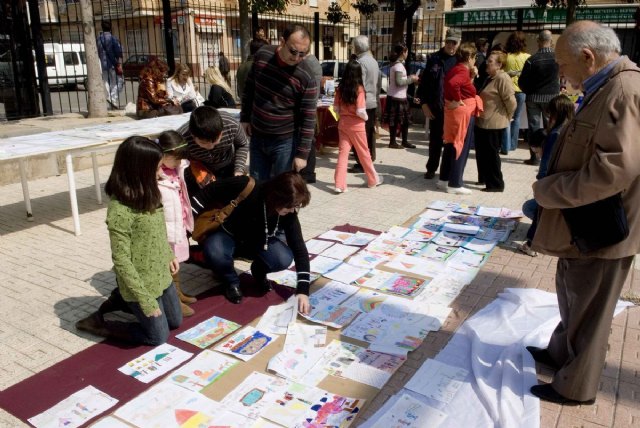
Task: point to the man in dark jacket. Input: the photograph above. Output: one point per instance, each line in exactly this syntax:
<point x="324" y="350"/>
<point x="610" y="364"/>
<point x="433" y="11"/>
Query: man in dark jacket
<point x="540" y="82"/>
<point x="431" y="95"/>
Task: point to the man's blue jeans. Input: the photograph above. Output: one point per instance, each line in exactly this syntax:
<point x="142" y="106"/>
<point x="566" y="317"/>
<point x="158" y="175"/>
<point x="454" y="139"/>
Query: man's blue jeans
<point x="220" y="248"/>
<point x="270" y="158"/>
<point x="514" y="127"/>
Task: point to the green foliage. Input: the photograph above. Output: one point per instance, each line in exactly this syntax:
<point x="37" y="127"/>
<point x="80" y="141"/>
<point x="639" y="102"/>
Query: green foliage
<point x="556" y="4"/>
<point x="261" y="6"/>
<point x="366" y="7"/>
<point x="335" y="14"/>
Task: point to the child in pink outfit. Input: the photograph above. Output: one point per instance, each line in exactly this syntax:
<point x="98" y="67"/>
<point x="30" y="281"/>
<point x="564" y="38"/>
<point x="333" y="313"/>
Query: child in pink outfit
<point x="175" y="203"/>
<point x="350" y="104"/>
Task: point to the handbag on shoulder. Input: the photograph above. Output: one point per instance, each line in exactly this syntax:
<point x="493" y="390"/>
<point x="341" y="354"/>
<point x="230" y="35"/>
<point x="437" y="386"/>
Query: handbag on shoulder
<point x="209" y="221"/>
<point x="597" y="225"/>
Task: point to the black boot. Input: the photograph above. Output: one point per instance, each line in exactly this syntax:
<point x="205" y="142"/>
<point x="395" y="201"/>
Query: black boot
<point x="259" y="273"/>
<point x="233" y="293"/>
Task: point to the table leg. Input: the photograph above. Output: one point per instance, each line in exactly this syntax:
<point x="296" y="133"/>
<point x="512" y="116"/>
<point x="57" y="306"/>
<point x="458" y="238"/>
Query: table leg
<point x="25" y="189"/>
<point x="96" y="177"/>
<point x="72" y="194"/>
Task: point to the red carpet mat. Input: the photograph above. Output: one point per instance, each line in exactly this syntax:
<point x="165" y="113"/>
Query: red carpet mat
<point x="98" y="365"/>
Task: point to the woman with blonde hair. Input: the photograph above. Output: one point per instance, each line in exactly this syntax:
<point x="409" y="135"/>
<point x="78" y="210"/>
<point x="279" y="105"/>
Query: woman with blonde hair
<point x="220" y="92"/>
<point x="181" y="90"/>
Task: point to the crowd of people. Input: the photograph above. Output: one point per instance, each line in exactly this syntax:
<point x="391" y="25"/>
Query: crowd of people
<point x="472" y="95"/>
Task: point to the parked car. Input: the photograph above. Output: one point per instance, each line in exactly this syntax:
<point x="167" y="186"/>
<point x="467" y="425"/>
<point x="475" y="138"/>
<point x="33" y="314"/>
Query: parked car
<point x="332" y="68"/>
<point x="132" y="67"/>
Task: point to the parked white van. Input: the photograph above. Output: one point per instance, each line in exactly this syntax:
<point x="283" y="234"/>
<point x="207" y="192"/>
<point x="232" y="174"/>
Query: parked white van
<point x="66" y="64"/>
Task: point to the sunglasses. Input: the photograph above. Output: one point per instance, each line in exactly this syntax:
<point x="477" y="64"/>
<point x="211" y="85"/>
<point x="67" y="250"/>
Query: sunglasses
<point x="296" y="52"/>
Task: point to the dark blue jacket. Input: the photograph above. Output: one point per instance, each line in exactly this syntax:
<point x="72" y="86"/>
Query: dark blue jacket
<point x="431" y="89"/>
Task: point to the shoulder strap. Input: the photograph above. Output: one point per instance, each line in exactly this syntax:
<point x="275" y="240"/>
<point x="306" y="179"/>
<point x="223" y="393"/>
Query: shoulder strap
<point x="247" y="190"/>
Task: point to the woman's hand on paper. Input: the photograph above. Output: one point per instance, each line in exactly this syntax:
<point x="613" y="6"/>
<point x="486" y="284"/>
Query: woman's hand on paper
<point x="303" y="304"/>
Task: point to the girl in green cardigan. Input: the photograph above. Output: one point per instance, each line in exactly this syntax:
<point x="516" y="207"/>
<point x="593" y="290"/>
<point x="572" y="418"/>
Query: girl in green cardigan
<point x="142" y="259"/>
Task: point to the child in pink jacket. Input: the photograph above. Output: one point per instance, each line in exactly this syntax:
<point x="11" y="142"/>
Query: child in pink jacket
<point x="350" y="104"/>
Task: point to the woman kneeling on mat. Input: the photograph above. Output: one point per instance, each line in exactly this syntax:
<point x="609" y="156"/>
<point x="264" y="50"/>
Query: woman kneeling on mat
<point x="264" y="228"/>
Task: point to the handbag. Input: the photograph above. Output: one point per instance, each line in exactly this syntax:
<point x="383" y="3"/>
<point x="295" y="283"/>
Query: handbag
<point x="597" y="225"/>
<point x="118" y="68"/>
<point x="209" y="221"/>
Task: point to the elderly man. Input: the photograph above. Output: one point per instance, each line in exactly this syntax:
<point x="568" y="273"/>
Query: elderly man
<point x="279" y="106"/>
<point x="431" y="95"/>
<point x="596" y="157"/>
<point x="540" y="82"/>
<point x="371" y="80"/>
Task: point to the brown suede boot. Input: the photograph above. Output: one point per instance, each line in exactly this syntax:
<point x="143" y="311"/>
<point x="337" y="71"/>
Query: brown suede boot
<point x="93" y="324"/>
<point x="183" y="297"/>
<point x="186" y="310"/>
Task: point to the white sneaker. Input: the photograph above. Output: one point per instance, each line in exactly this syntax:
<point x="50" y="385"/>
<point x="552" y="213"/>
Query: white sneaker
<point x="339" y="190"/>
<point x="442" y="185"/>
<point x="459" y="190"/>
<point x="380" y="181"/>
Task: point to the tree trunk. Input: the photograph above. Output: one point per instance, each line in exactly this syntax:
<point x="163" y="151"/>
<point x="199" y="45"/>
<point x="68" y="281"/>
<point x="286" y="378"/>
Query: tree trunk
<point x="245" y="29"/>
<point x="400" y="17"/>
<point x="571" y="11"/>
<point x="97" y="103"/>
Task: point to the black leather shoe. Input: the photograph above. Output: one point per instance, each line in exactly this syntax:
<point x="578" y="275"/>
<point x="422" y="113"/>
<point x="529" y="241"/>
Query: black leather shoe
<point x="356" y="169"/>
<point x="233" y="293"/>
<point x="263" y="284"/>
<point x="541" y="355"/>
<point x="408" y="145"/>
<point x="394" y="146"/>
<point x="429" y="175"/>
<point x="547" y="393"/>
<point x="534" y="162"/>
<point x="493" y="189"/>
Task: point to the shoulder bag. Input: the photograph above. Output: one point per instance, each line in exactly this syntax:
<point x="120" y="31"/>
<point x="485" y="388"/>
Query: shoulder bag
<point x="209" y="221"/>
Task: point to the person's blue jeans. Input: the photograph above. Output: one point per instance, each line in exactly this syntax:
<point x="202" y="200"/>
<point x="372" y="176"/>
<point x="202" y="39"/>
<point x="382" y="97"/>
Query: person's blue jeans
<point x="514" y="128"/>
<point x="220" y="248"/>
<point x="152" y="331"/>
<point x="270" y="158"/>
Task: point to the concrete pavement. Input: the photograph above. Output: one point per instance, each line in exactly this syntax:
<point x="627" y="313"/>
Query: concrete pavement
<point x="51" y="278"/>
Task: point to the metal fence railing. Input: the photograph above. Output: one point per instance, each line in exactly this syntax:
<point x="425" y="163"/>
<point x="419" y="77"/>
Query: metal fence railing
<point x="201" y="30"/>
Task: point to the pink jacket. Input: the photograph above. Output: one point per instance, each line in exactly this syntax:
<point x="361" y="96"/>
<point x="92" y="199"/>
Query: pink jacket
<point x="173" y="207"/>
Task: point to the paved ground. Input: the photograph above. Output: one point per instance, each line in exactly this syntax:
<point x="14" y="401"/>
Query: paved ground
<point x="51" y="278"/>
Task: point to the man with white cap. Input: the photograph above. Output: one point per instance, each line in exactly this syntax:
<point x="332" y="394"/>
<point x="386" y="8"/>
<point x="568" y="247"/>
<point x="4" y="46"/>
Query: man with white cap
<point x="431" y="95"/>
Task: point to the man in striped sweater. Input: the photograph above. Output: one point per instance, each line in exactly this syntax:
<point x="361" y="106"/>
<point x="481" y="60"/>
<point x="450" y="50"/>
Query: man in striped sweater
<point x="279" y="106"/>
<point x="217" y="141"/>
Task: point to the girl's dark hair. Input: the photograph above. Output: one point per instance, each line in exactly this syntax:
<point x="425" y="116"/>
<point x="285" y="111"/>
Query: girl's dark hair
<point x="397" y="50"/>
<point x="351" y="81"/>
<point x="562" y="109"/>
<point x="466" y="51"/>
<point x="516" y="42"/>
<point x="172" y="143"/>
<point x="133" y="180"/>
<point x="287" y="190"/>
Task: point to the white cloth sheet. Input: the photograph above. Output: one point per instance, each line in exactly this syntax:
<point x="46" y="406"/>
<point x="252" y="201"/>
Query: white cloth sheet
<point x="491" y="346"/>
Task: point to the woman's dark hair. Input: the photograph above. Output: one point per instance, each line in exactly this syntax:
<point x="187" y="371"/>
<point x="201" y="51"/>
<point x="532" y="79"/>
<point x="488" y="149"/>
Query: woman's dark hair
<point x="133" y="180"/>
<point x="516" y="42"/>
<point x="351" y="81"/>
<point x="397" y="50"/>
<point x="205" y="123"/>
<point x="172" y="143"/>
<point x="287" y="190"/>
<point x="561" y="109"/>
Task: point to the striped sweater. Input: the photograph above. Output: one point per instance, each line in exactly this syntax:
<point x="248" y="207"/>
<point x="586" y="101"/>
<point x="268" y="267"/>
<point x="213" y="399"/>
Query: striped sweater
<point x="232" y="148"/>
<point x="280" y="100"/>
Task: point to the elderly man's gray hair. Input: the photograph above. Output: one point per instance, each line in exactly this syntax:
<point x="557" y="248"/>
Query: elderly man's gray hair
<point x="603" y="41"/>
<point x="361" y="44"/>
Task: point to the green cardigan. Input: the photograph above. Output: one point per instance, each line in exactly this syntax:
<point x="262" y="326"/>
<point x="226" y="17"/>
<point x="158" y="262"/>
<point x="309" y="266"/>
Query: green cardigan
<point x="141" y="254"/>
